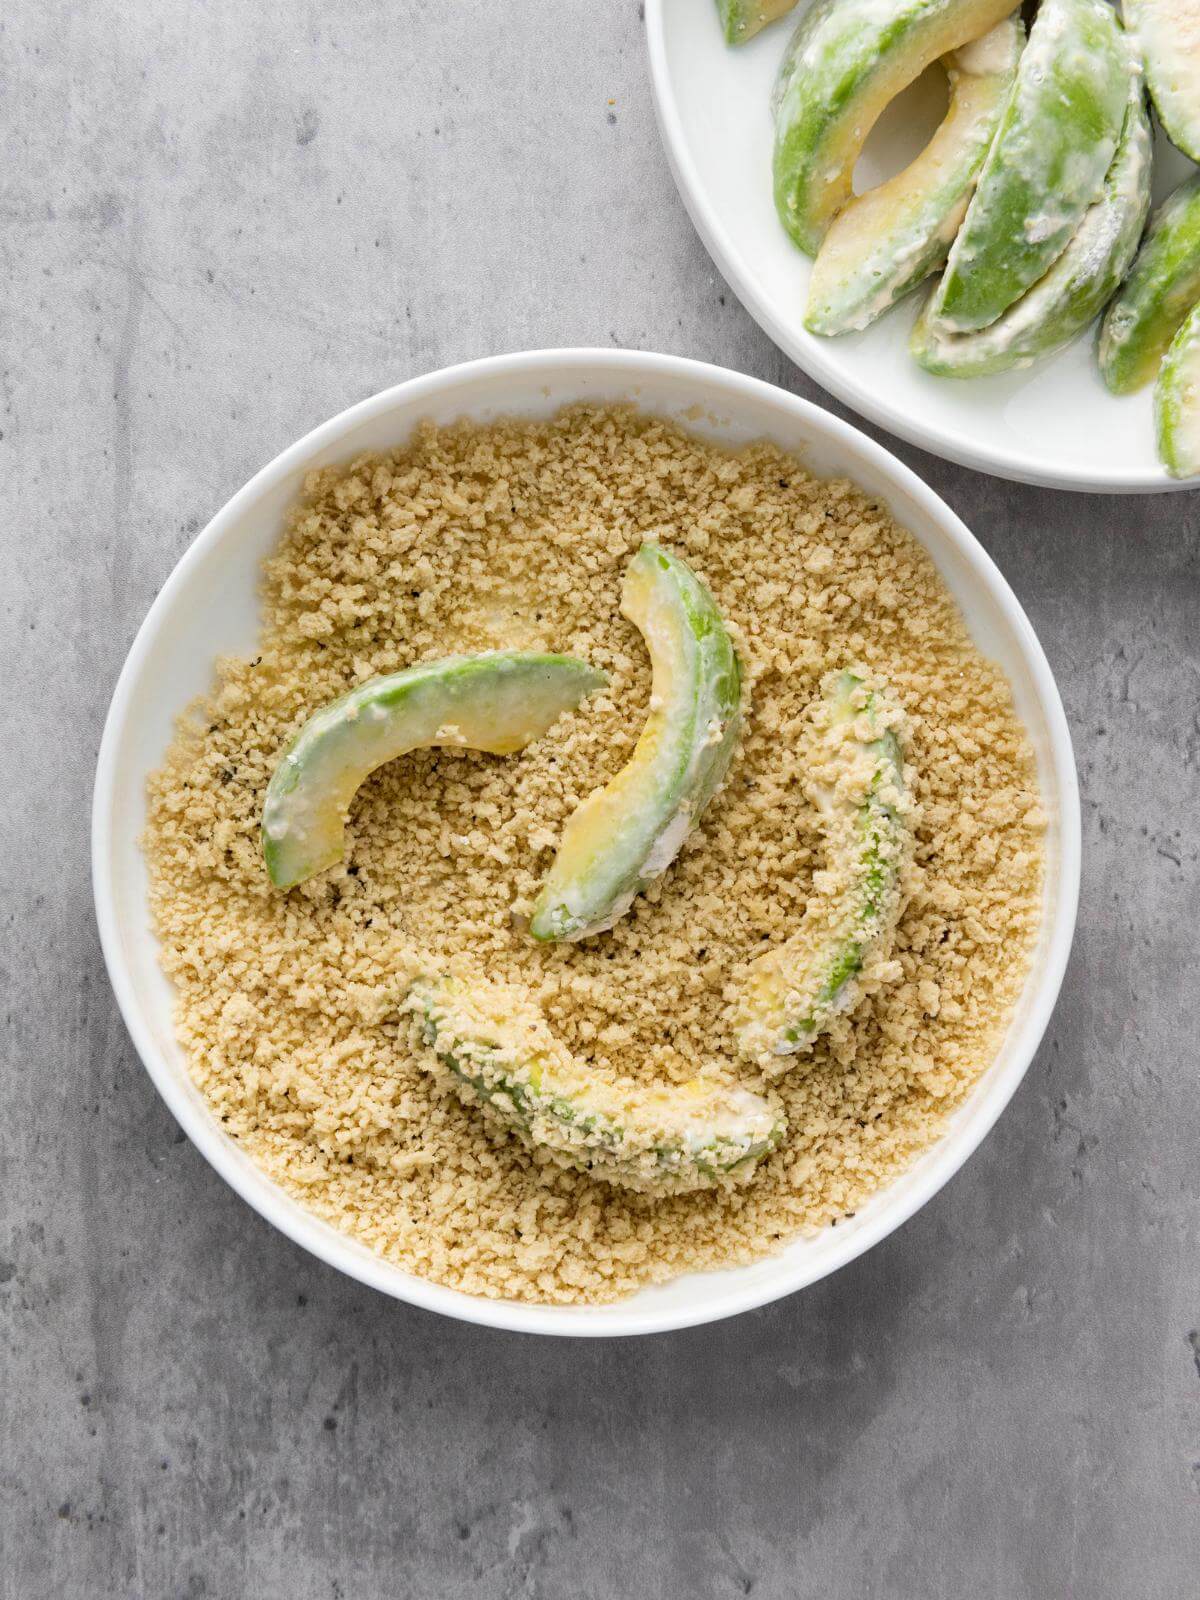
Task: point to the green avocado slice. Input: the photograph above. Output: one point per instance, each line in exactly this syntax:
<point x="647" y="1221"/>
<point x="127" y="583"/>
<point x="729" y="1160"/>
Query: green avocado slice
<point x="1054" y="146"/>
<point x="742" y="19"/>
<point x="1161" y="289"/>
<point x="857" y="782"/>
<point x="497" y="701"/>
<point x="1168" y="34"/>
<point x="501" y="1058"/>
<point x="891" y="238"/>
<point x="1177" y="401"/>
<point x="630" y="831"/>
<point x="1077" y="286"/>
<point x="846" y="61"/>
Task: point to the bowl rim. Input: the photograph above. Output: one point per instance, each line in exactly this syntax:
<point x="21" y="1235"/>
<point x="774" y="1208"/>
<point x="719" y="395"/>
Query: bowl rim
<point x="348" y="1255"/>
<point x="808" y="352"/>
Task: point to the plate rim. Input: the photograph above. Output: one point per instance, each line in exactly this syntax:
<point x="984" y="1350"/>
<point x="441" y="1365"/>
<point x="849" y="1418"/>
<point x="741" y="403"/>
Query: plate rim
<point x="347" y="1255"/>
<point x="805" y="350"/>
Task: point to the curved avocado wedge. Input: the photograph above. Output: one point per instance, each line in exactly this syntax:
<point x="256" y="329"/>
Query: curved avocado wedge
<point x="1055" y="144"/>
<point x="629" y="832"/>
<point x="1168" y="35"/>
<point x="890" y="239"/>
<point x="847" y="60"/>
<point x="1161" y="289"/>
<point x="742" y="19"/>
<point x="1177" y="402"/>
<point x="497" y="701"/>
<point x="1076" y="288"/>
<point x="857" y="783"/>
<point x="502" y="1058"/>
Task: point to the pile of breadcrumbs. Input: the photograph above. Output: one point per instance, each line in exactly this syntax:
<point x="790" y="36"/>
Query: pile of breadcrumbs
<point x="518" y="535"/>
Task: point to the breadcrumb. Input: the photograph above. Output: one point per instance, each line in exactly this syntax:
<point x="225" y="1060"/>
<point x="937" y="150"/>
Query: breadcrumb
<point x="517" y="534"/>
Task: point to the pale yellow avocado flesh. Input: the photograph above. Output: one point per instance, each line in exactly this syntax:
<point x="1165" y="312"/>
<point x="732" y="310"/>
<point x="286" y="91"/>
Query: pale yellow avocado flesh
<point x="848" y="62"/>
<point x="605" y="817"/>
<point x="496" y="701"/>
<point x="629" y="832"/>
<point x="889" y="239"/>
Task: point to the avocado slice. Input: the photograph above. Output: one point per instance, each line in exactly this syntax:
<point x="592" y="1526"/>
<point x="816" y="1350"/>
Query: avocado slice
<point x="630" y="831"/>
<point x="1054" y="146"/>
<point x="1177" y="401"/>
<point x="1161" y="289"/>
<point x="497" y="701"/>
<point x="1168" y="34"/>
<point x="857" y="783"/>
<point x="742" y="19"/>
<point x="846" y="61"/>
<point x="1076" y="288"/>
<point x="892" y="237"/>
<point x="501" y="1057"/>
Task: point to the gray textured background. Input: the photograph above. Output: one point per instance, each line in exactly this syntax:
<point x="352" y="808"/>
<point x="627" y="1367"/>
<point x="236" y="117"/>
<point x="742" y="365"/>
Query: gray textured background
<point x="223" y="223"/>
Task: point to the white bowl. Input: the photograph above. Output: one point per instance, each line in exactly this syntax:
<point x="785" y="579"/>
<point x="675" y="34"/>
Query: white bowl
<point x="209" y="606"/>
<point x="1054" y="424"/>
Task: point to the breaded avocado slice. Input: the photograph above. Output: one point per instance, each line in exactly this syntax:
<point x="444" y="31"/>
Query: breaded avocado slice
<point x="891" y="238"/>
<point x="497" y="701"/>
<point x="856" y="780"/>
<point x="846" y="61"/>
<point x="630" y="831"/>
<point x="503" y="1059"/>
<point x="1161" y="289"/>
<point x="1076" y="288"/>
<point x="1177" y="401"/>
<point x="1054" y="146"/>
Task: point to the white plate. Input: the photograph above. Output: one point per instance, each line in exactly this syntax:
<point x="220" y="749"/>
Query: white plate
<point x="209" y="607"/>
<point x="1054" y="424"/>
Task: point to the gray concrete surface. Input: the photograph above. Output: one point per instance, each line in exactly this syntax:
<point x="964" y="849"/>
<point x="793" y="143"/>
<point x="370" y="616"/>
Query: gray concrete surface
<point x="222" y="223"/>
